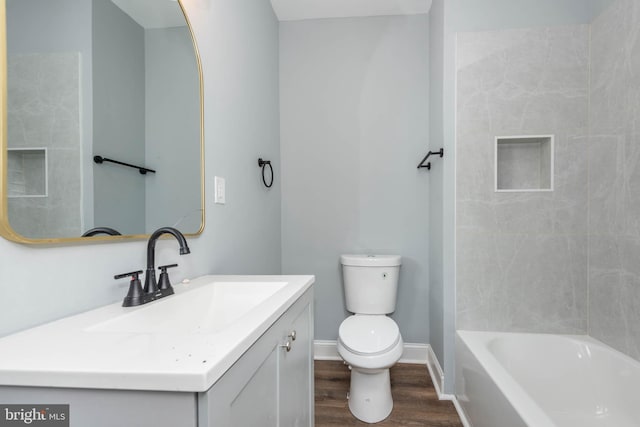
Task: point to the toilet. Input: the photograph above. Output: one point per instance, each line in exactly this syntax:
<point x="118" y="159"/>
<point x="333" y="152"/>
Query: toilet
<point x="369" y="341"/>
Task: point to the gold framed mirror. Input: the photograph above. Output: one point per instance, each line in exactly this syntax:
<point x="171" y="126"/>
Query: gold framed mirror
<point x="101" y="121"/>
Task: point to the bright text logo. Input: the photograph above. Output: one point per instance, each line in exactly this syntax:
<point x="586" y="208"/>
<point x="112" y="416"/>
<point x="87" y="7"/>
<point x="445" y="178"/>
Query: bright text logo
<point x="34" y="415"/>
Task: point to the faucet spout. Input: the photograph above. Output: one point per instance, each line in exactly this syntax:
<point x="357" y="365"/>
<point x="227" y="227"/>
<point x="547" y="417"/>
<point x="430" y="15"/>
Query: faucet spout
<point x="150" y="283"/>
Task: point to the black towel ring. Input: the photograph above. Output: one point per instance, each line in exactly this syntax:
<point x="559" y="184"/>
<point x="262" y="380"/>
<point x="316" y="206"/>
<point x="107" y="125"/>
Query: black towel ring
<point x="263" y="164"/>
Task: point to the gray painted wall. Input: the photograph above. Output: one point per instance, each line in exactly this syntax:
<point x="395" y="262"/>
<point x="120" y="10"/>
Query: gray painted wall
<point x="436" y="202"/>
<point x="172" y="130"/>
<point x="118" y="118"/>
<point x="39" y="284"/>
<point x="354" y="118"/>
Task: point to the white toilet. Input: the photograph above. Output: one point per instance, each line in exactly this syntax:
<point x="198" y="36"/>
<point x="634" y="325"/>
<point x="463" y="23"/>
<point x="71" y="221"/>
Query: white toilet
<point x="369" y="341"/>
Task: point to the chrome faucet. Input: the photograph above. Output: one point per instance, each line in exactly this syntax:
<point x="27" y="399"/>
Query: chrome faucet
<point x="150" y="284"/>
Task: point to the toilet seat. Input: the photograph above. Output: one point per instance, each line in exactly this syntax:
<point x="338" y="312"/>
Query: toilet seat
<point x="369" y="335"/>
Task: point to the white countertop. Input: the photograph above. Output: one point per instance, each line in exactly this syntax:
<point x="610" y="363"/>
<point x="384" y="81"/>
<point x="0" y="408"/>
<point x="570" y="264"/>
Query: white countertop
<point x="79" y="352"/>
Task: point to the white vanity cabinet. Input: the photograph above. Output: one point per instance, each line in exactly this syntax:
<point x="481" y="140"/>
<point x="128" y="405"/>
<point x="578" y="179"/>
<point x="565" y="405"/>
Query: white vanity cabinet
<point x="268" y="386"/>
<point x="265" y="386"/>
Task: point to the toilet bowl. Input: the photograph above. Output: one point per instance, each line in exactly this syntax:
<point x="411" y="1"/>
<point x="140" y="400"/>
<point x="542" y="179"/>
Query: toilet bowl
<point x="370" y="345"/>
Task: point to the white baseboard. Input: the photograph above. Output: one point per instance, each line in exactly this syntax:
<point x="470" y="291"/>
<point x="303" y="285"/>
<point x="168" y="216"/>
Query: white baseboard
<point x="325" y="350"/>
<point x="463" y="416"/>
<point x="437" y="377"/>
<point x="412" y="353"/>
<point x="415" y="353"/>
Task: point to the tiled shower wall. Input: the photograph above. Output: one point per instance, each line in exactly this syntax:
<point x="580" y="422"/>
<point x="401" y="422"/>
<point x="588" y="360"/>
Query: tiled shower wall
<point x="566" y="261"/>
<point x="45" y="113"/>
<point x="522" y="256"/>
<point x="614" y="178"/>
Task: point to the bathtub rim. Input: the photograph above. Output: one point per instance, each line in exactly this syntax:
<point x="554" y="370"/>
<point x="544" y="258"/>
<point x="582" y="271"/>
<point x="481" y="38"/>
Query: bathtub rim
<point x="525" y="406"/>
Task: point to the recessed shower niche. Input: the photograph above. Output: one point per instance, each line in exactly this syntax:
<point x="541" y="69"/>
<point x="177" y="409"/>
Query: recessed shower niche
<point x="524" y="163"/>
<point x="27" y="172"/>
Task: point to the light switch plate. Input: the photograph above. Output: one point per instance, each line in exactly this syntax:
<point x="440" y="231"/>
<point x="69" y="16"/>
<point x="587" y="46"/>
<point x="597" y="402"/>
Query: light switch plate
<point x="220" y="190"/>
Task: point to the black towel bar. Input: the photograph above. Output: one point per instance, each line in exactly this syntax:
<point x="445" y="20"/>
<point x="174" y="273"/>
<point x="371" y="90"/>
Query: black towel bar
<point x="142" y="170"/>
<point x="429" y="154"/>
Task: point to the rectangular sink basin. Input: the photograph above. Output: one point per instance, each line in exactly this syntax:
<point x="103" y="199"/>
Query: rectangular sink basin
<point x="183" y="342"/>
<point x="204" y="310"/>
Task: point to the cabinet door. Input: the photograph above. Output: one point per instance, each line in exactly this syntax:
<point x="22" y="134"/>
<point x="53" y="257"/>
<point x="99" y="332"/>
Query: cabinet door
<point x="268" y="386"/>
<point x="296" y="375"/>
<point x="247" y="396"/>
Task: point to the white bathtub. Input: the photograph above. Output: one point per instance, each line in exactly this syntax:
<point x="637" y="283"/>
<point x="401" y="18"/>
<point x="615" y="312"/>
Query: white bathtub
<point x="539" y="380"/>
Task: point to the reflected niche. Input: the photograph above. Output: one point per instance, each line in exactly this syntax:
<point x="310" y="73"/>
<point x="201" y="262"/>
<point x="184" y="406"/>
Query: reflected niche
<point x="112" y="78"/>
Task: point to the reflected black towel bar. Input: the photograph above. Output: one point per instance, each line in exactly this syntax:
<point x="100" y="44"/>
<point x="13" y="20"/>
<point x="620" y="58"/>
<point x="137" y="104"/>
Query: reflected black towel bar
<point x="142" y="170"/>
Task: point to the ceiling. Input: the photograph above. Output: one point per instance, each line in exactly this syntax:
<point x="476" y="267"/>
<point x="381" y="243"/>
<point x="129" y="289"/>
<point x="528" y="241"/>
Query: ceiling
<point x="291" y="10"/>
<point x="153" y="13"/>
<point x="167" y="13"/>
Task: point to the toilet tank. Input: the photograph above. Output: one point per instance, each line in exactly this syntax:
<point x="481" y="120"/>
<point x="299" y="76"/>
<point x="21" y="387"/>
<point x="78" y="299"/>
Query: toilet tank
<point x="370" y="283"/>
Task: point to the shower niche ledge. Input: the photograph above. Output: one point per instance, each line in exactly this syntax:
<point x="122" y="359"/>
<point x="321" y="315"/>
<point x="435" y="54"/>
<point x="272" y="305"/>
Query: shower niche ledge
<point x="524" y="163"/>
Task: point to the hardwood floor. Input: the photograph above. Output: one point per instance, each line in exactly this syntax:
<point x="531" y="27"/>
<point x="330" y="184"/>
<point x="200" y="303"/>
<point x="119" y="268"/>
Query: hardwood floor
<point x="415" y="399"/>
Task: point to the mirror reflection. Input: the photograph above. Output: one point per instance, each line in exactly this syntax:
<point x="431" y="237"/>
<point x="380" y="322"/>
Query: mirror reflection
<point x="114" y="79"/>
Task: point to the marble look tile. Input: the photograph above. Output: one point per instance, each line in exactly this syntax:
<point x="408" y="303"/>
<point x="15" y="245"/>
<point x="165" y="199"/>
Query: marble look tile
<point x="518" y="79"/>
<point x="58" y="214"/>
<point x="615" y="61"/>
<point x="475" y="165"/>
<point x="614" y="178"/>
<point x="614" y="185"/>
<point x="26" y="216"/>
<point x="522" y="283"/>
<point x="480" y="208"/>
<point x="43" y="100"/>
<point x="44" y="111"/>
<point x="524" y="260"/>
<point x="522" y="256"/>
<point x="631" y="173"/>
<point x="614" y="292"/>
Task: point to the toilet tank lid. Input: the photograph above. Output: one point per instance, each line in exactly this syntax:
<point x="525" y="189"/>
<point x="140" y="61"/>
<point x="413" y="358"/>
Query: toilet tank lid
<point x="371" y="260"/>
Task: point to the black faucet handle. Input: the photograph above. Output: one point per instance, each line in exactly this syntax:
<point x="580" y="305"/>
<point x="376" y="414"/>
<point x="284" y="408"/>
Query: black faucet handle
<point x="135" y="296"/>
<point x="134" y="275"/>
<point x="164" y="284"/>
<point x="163" y="268"/>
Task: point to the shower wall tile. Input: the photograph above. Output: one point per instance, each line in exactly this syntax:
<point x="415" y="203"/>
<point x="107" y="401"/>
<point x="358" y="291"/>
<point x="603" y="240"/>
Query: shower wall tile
<point x="555" y="261"/>
<point x="480" y="208"/>
<point x="522" y="256"/>
<point x="614" y="185"/>
<point x="614" y="299"/>
<point x="523" y="80"/>
<point x="522" y="282"/>
<point x="43" y="91"/>
<point x="615" y="88"/>
<point x="614" y="179"/>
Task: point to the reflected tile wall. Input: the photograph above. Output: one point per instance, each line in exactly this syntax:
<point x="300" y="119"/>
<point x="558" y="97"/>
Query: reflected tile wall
<point x="43" y="91"/>
<point x="522" y="257"/>
<point x="614" y="178"/>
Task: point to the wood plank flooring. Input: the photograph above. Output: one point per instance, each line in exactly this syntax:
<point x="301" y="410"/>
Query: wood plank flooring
<point x="415" y="400"/>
